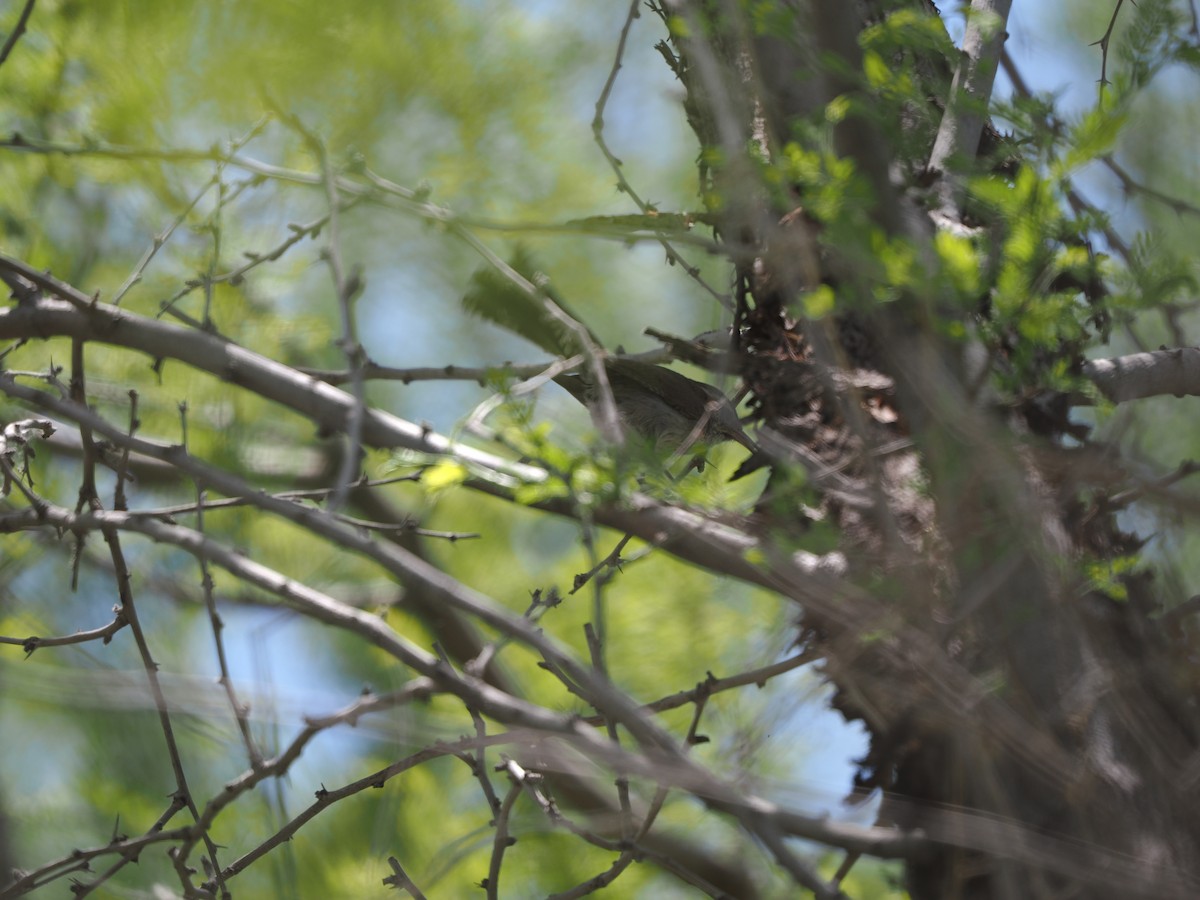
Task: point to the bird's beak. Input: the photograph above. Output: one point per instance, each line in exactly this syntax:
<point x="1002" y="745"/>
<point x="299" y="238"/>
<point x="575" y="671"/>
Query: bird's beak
<point x="744" y="439"/>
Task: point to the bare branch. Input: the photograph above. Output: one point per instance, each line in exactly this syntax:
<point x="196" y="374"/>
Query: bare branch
<point x="18" y="30"/>
<point x="962" y="124"/>
<point x="1173" y="372"/>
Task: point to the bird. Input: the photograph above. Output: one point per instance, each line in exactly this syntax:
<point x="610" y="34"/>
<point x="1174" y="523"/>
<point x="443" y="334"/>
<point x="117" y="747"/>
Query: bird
<point x="663" y="406"/>
<point x="659" y="404"/>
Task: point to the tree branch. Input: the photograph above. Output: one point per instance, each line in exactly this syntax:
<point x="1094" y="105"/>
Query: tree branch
<point x="1141" y="375"/>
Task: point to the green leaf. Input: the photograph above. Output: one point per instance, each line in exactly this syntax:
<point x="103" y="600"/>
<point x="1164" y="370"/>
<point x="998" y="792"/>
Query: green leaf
<point x="1093" y="136"/>
<point x="497" y="298"/>
<point x="819" y="303"/>
<point x="530" y="494"/>
<point x="444" y="475"/>
<point x="960" y="263"/>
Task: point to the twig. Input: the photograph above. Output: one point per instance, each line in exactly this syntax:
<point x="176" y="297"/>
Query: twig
<point x="712" y="685"/>
<point x="103" y="634"/>
<point x="596" y="650"/>
<point x="1158" y="486"/>
<point x="347" y="287"/>
<point x="502" y="840"/>
<point x="169" y="512"/>
<point x="129" y="856"/>
<point x="481" y="376"/>
<point x="17" y="31"/>
<point x="613" y="560"/>
<point x="399" y="879"/>
<point x="598" y="882"/>
<point x="476" y="762"/>
<point x="623" y="184"/>
<point x="279" y="766"/>
<point x="78" y="860"/>
<point x="235" y="276"/>
<point x="1103" y="44"/>
<point x="325" y="798"/>
<point x="474" y="422"/>
<point x="240" y="710"/>
<point x="380" y="190"/>
<point x="161" y="239"/>
<point x="121" y="575"/>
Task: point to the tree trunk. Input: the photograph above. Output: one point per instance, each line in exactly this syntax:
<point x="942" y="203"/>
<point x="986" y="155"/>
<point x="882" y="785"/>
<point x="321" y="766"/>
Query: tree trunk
<point x="1062" y="762"/>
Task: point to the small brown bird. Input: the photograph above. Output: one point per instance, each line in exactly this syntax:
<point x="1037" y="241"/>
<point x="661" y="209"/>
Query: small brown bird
<point x="661" y="405"/>
<point x="653" y="401"/>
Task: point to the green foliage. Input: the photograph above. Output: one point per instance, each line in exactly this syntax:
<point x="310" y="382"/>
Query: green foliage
<point x="1148" y="43"/>
<point x="818" y="303"/>
<point x="1093" y="136"/>
<point x="1155" y="278"/>
<point x="960" y="263"/>
<point x="498" y="299"/>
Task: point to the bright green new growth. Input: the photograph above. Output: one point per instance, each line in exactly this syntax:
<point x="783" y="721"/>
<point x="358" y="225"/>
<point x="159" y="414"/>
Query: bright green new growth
<point x="494" y="297"/>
